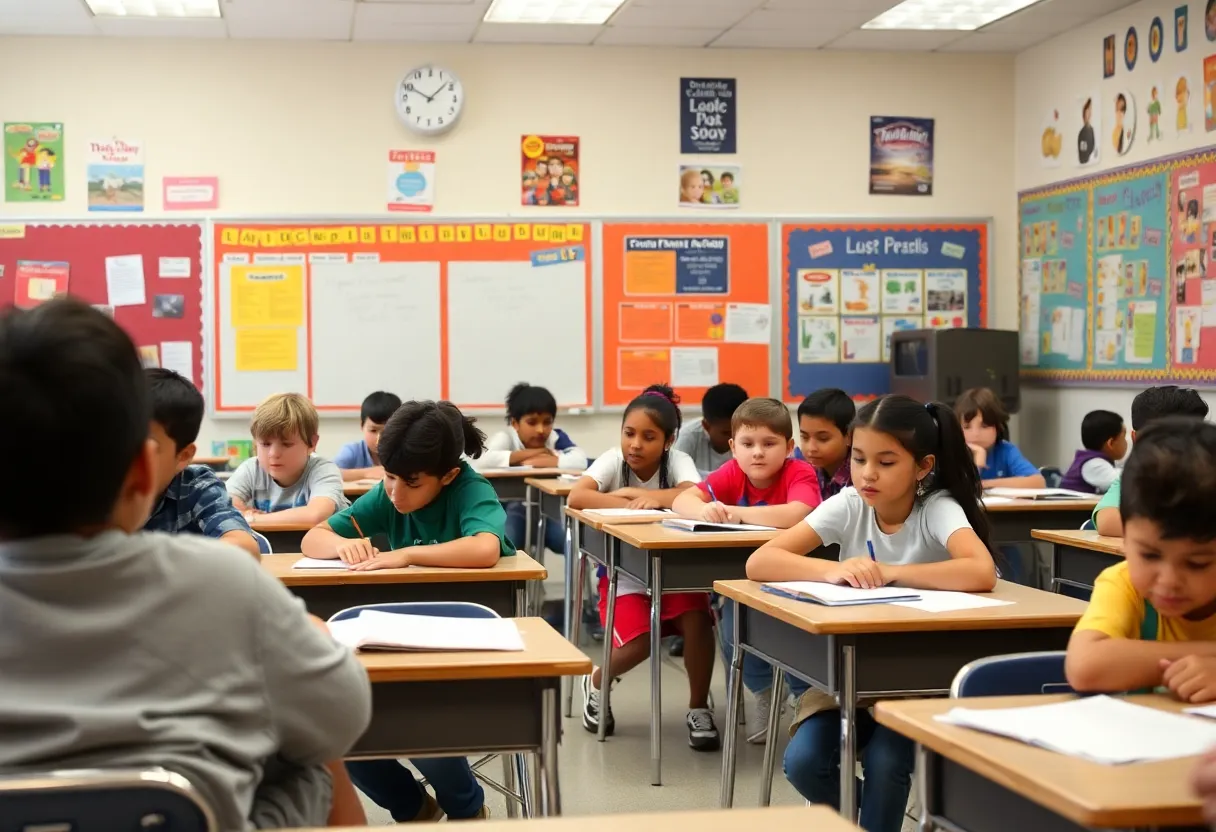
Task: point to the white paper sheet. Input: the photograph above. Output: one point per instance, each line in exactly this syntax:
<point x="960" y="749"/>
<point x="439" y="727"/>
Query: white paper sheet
<point x="1208" y="289"/>
<point x="178" y="356"/>
<point x="997" y="501"/>
<point x="748" y="323"/>
<point x="174" y="267"/>
<point x="1076" y="343"/>
<point x="125" y="280"/>
<point x="430" y="633"/>
<point x="694" y="366"/>
<point x="1208" y="711"/>
<point x="317" y="563"/>
<point x="843" y="596"/>
<point x="934" y="600"/>
<point x="1039" y="494"/>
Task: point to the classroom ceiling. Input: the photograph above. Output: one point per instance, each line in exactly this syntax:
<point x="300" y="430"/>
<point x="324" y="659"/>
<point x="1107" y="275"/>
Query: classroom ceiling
<point x="761" y="24"/>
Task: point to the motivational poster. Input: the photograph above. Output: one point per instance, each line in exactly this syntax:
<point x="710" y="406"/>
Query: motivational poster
<point x="707" y="115"/>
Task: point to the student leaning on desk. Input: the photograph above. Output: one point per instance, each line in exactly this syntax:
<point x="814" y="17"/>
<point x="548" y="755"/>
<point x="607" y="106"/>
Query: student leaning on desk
<point x="360" y="460"/>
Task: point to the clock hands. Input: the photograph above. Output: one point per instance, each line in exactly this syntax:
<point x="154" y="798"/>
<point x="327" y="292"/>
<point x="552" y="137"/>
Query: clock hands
<point x="429" y="98"/>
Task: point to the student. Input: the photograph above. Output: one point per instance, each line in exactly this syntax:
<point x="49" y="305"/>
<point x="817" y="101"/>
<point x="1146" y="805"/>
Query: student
<point x="359" y="460"/>
<point x="986" y="427"/>
<point x="1151" y="620"/>
<point x="286" y="484"/>
<point x="192" y="499"/>
<point x="824" y="420"/>
<point x="644" y="471"/>
<point x="428" y="494"/>
<point x="1148" y="406"/>
<point x="148" y="650"/>
<point x="708" y="441"/>
<point x="763" y="485"/>
<point x="915" y="500"/>
<point x="1105" y="439"/>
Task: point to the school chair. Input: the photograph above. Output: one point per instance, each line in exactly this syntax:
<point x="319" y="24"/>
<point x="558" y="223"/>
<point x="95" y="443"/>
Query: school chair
<point x="97" y="800"/>
<point x="514" y="766"/>
<point x="1088" y="526"/>
<point x="1052" y="476"/>
<point x="1014" y="674"/>
<point x="263" y="544"/>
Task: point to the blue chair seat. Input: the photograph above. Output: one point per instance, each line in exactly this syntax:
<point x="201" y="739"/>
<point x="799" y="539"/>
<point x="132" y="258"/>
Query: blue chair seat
<point x="1014" y="674"/>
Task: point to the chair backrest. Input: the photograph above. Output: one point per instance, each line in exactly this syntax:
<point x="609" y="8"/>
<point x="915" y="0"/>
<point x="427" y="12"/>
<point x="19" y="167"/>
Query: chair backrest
<point x="152" y="800"/>
<point x="263" y="543"/>
<point x="1088" y="525"/>
<point x="1015" y="674"/>
<point x="1052" y="475"/>
<point x="443" y="609"/>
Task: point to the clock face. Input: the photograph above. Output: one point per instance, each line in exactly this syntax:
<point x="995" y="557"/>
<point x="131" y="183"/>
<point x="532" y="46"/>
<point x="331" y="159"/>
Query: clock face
<point x="429" y="100"/>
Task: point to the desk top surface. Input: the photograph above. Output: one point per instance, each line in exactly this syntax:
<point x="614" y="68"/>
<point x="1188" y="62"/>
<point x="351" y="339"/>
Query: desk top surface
<point x="357" y="488"/>
<point x="519" y="567"/>
<point x="521" y="471"/>
<point x="588" y="517"/>
<point x="657" y="537"/>
<point x="1015" y="506"/>
<point x="550" y="485"/>
<point x="1081" y="540"/>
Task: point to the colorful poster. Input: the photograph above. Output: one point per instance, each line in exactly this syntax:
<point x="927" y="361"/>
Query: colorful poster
<point x="710" y="186"/>
<point x="1187" y="328"/>
<point x="1131" y="48"/>
<point x="902" y="291"/>
<point x="818" y="291"/>
<point x="550" y="170"/>
<point x="818" y="339"/>
<point x="39" y="281"/>
<point x="1180" y="28"/>
<point x="946" y="298"/>
<point x="1051" y="140"/>
<point x="1182" y="102"/>
<point x="1123" y="112"/>
<point x="860" y="340"/>
<point x="1108" y="56"/>
<point x="859" y="292"/>
<point x="191" y="193"/>
<point x="116" y="175"/>
<point x="1209" y="19"/>
<point x="1090" y="128"/>
<point x="1055" y="257"/>
<point x="411" y="180"/>
<point x="33" y="162"/>
<point x="1209" y="91"/>
<point x="1156" y="38"/>
<point x="707" y="115"/>
<point x="901" y="155"/>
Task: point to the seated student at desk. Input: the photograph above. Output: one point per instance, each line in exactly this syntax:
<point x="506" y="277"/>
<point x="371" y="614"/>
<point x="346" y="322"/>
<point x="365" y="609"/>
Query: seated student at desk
<point x="435" y="511"/>
<point x="825" y="419"/>
<point x="708" y="441"/>
<point x="986" y="427"/>
<point x="286" y="483"/>
<point x="913" y="516"/>
<point x="1148" y="406"/>
<point x="1151" y="620"/>
<point x="129" y="650"/>
<point x="1104" y="437"/>
<point x="192" y="499"/>
<point x="360" y="460"/>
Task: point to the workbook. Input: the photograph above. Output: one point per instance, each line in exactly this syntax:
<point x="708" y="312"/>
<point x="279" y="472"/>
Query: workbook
<point x="702" y="526"/>
<point x="627" y="512"/>
<point x="835" y="595"/>
<point x="375" y="630"/>
<point x="1039" y="494"/>
<point x="1101" y="729"/>
<point x="318" y="563"/>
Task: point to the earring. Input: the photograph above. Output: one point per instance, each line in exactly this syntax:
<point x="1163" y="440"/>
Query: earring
<point x="921" y="488"/>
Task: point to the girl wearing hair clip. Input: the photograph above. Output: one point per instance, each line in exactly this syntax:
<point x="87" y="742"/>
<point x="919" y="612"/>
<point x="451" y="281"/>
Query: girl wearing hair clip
<point x="913" y="516"/>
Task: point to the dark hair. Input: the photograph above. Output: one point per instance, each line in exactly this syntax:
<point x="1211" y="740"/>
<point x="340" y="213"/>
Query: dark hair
<point x="764" y="413"/>
<point x="1170" y="479"/>
<point x="378" y="407"/>
<point x="721" y="401"/>
<point x="1098" y="427"/>
<point x="982" y="401"/>
<point x="726" y="175"/>
<point x="526" y="398"/>
<point x="1121" y="99"/>
<point x="924" y="429"/>
<point x="428" y="438"/>
<point x="662" y="405"/>
<point x="710" y="174"/>
<point x="74" y="399"/>
<point x="176" y="405"/>
<point x="832" y="404"/>
<point x="1166" y="400"/>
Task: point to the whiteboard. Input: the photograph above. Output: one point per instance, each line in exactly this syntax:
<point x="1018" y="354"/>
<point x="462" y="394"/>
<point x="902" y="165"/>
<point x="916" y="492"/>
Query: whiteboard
<point x="511" y="322"/>
<point x="375" y="326"/>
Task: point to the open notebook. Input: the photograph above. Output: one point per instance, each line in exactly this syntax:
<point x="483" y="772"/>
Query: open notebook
<point x="834" y="595"/>
<point x="702" y="526"/>
<point x="318" y="563"/>
<point x="627" y="512"/>
<point x="1038" y="494"/>
<point x="374" y="630"/>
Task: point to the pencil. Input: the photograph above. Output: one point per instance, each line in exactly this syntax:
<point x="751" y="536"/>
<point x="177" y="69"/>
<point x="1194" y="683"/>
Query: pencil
<point x="356" y="523"/>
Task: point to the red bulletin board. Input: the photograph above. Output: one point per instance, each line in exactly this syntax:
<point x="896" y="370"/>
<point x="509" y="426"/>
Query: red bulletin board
<point x="85" y="247"/>
<point x="676" y="295"/>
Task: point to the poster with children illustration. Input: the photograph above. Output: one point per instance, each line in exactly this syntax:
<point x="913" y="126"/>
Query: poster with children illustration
<point x="709" y="186"/>
<point x="33" y="162"/>
<point x="549" y="170"/>
<point x="116" y="175"/>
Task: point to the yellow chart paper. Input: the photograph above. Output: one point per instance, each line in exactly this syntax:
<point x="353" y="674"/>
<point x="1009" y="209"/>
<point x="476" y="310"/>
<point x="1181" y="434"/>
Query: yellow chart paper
<point x="266" y="350"/>
<point x="266" y="295"/>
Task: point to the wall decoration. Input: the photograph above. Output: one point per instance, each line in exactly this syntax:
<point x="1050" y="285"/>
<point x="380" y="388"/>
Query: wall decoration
<point x="411" y="180"/>
<point x="1182" y="100"/>
<point x="710" y="186"/>
<point x="1156" y="38"/>
<point x="33" y="162"/>
<point x="116" y="175"/>
<point x="191" y="193"/>
<point x="1051" y="143"/>
<point x="550" y="170"/>
<point x="1108" y="56"/>
<point x="1209" y="20"/>
<point x="707" y="115"/>
<point x="901" y="155"/>
<point x="1131" y="48"/>
<point x="1180" y="28"/>
<point x="1153" y="109"/>
<point x="1209" y="92"/>
<point x="1124" y="111"/>
<point x="1088" y="117"/>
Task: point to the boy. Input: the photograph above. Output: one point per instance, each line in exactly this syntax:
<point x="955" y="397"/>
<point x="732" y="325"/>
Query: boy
<point x="285" y="484"/>
<point x="192" y="499"/>
<point x="824" y="420"/>
<point x="986" y="428"/>
<point x="1152" y="619"/>
<point x="1150" y="405"/>
<point x="147" y="650"/>
<point x="1105" y="439"/>
<point x="359" y="460"/>
<point x="708" y="441"/>
<point x="761" y="484"/>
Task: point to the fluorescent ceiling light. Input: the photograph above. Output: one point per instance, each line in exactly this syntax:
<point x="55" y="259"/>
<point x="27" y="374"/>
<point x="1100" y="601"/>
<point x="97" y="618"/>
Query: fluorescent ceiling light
<point x="154" y="8"/>
<point x="592" y="12"/>
<point x="958" y="15"/>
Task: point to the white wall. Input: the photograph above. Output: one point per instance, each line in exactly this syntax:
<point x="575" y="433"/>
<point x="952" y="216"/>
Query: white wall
<point x="1052" y="76"/>
<point x="303" y="128"/>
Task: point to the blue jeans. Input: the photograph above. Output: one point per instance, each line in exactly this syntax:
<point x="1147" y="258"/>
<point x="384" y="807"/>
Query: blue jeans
<point x="392" y="786"/>
<point x="517" y="528"/>
<point x="757" y="673"/>
<point x="812" y="765"/>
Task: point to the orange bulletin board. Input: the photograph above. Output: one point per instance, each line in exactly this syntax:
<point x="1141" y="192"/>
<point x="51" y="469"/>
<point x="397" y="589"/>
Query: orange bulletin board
<point x="687" y="304"/>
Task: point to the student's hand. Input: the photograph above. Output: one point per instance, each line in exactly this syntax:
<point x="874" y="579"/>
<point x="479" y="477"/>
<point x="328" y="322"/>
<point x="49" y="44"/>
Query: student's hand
<point x="643" y="502"/>
<point x="384" y="560"/>
<point x="861" y="573"/>
<point x="1203" y="781"/>
<point x="545" y="460"/>
<point x="357" y="551"/>
<point x="1192" y="678"/>
<point x="979" y="455"/>
<point x="376" y="473"/>
<point x="715" y="512"/>
<point x="631" y="493"/>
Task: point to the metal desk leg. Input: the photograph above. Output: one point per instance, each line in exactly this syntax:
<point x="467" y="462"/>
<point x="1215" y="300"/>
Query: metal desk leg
<point x="577" y="624"/>
<point x="521" y="599"/>
<point x="541" y="521"/>
<point x="605" y="675"/>
<point x="656" y="667"/>
<point x="925" y="824"/>
<point x="848" y="732"/>
<point x="527" y="521"/>
<point x="568" y="563"/>
<point x="770" y="739"/>
<point x="548" y="795"/>
<point x="734" y="696"/>
<point x="510" y="784"/>
<point x="524" y="776"/>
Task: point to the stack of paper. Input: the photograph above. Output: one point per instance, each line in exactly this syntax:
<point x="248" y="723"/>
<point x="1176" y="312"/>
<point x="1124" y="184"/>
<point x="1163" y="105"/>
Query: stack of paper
<point x="834" y="595"/>
<point x="1039" y="494"/>
<point x="318" y="563"/>
<point x="1098" y="728"/>
<point x="702" y="526"/>
<point x="996" y="501"/>
<point x="937" y="600"/>
<point x="627" y="512"/>
<point x="375" y="630"/>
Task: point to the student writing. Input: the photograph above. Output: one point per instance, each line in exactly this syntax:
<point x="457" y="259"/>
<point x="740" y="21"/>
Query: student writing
<point x="708" y="440"/>
<point x="1104" y="438"/>
<point x="361" y="460"/>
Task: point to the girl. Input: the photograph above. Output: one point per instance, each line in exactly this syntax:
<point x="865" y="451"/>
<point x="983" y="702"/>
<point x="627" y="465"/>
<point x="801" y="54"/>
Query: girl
<point x="915" y="499"/>
<point x="692" y="187"/>
<point x="986" y="428"/>
<point x="435" y="511"/>
<point x="645" y="472"/>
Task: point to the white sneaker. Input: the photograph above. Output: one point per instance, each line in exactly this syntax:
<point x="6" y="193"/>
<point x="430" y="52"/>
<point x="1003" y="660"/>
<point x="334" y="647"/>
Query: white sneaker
<point x="756" y="706"/>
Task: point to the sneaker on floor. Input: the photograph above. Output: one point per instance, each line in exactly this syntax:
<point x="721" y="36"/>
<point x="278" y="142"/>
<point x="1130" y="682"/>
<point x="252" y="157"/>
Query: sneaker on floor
<point x="591" y="709"/>
<point x="677" y="646"/>
<point x="756" y="706"/>
<point x="702" y="732"/>
<point x="430" y="811"/>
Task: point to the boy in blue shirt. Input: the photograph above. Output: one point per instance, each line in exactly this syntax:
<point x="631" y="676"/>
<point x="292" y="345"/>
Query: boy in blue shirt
<point x="360" y="460"/>
<point x="986" y="428"/>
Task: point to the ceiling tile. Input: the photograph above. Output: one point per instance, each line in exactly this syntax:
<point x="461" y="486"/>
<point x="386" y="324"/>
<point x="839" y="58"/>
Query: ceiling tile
<point x="143" y="27"/>
<point x="985" y="41"/>
<point x="416" y="32"/>
<point x="291" y="19"/>
<point x="627" y="36"/>
<point x="833" y="22"/>
<point x="697" y="5"/>
<point x="391" y="14"/>
<point x="711" y="17"/>
<point x="1043" y="19"/>
<point x="45" y="17"/>
<point x="871" y="7"/>
<point x="886" y="40"/>
<point x="771" y="39"/>
<point x="552" y="33"/>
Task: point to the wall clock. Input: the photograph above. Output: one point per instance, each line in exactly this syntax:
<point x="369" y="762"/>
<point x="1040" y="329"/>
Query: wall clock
<point x="430" y="100"/>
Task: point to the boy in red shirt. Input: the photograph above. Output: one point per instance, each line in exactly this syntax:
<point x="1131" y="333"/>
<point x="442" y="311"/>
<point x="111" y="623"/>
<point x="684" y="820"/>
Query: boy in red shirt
<point x="762" y="485"/>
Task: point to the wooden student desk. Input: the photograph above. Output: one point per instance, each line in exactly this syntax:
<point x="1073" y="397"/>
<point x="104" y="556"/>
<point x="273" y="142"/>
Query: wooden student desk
<point x="551" y="494"/>
<point x="975" y="781"/>
<point x="1077" y="557"/>
<point x="354" y="489"/>
<point x="457" y="704"/>
<point x="876" y="650"/>
<point x="281" y="538"/>
<point x="501" y="587"/>
<point x="1012" y="522"/>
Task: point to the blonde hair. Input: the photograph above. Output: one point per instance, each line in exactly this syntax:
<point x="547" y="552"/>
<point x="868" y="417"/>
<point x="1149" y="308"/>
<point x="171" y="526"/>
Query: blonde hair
<point x="285" y="416"/>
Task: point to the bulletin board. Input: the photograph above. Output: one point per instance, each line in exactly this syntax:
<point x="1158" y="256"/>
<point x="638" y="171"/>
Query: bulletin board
<point x="428" y="310"/>
<point x="849" y="286"/>
<point x="157" y="264"/>
<point x="685" y="303"/>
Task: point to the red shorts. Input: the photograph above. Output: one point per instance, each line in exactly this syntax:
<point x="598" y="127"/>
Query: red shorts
<point x="632" y="618"/>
